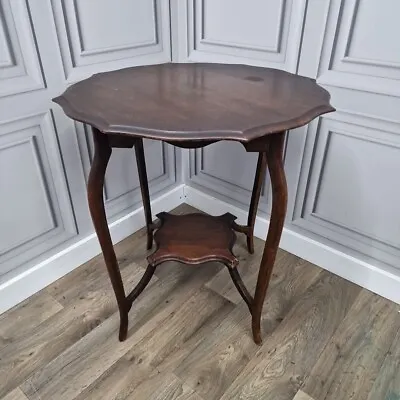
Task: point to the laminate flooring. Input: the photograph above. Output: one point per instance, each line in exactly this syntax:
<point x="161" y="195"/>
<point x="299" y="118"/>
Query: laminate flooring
<point x="324" y="338"/>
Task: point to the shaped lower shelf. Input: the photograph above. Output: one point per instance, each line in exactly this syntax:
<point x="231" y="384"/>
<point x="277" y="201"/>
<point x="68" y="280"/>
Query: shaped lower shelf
<point x="194" y="239"/>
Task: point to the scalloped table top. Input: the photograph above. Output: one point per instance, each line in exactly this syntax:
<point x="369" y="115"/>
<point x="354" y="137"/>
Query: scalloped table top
<point x="179" y="102"/>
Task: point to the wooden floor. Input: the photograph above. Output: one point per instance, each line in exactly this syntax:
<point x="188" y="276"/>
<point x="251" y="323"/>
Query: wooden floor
<point x="189" y="336"/>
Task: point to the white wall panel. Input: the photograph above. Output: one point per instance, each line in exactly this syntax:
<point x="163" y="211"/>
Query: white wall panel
<point x="36" y="212"/>
<point x="254" y="32"/>
<point x="45" y="157"/>
<point x="345" y="193"/>
<point x="101" y="35"/>
<point x="359" y="50"/>
<point x="20" y="69"/>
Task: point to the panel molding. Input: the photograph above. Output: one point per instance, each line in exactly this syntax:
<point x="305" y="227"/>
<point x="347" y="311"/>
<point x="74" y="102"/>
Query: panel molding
<point x="282" y="54"/>
<point x="134" y="45"/>
<point x="7" y="58"/>
<point x="304" y="215"/>
<point x="30" y="141"/>
<point x="314" y="200"/>
<point x="38" y="130"/>
<point x="79" y="62"/>
<point x="21" y="70"/>
<point x="269" y="49"/>
<point x="336" y="67"/>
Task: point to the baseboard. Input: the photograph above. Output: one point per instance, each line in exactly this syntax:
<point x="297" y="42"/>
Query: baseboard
<point x="384" y="283"/>
<point x="39" y="276"/>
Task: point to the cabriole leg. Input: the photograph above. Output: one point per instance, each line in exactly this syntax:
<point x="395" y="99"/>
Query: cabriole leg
<point x="279" y="202"/>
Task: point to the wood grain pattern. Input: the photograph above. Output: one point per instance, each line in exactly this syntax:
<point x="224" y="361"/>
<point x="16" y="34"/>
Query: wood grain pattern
<point x="50" y="339"/>
<point x="16" y="394"/>
<point x="131" y="254"/>
<point x="352" y="359"/>
<point x="387" y="384"/>
<point x="26" y="316"/>
<point x="300" y="395"/>
<point x="279" y="368"/>
<point x="180" y="102"/>
<point x="129" y="371"/>
<point x="206" y="351"/>
<point x="164" y="387"/>
<point x="80" y="371"/>
<point x="194" y="239"/>
<point x="212" y="366"/>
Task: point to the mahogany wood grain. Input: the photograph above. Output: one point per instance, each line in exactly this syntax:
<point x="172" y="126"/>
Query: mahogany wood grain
<point x="255" y="198"/>
<point x="144" y="187"/>
<point x="278" y="212"/>
<point x="180" y="102"/>
<point x="102" y="155"/>
<point x="192" y="106"/>
<point x="96" y="206"/>
<point x="194" y="239"/>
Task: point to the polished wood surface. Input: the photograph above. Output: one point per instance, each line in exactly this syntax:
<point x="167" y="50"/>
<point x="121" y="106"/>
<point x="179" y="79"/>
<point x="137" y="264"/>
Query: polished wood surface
<point x="96" y="207"/>
<point x="190" y="338"/>
<point x="279" y="201"/>
<point x="178" y="102"/>
<point x="194" y="239"/>
<point x="194" y="105"/>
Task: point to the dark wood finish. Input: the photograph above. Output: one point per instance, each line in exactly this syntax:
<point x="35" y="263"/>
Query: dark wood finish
<point x="96" y="205"/>
<point x="144" y="187"/>
<point x="180" y="102"/>
<point x="278" y="212"/>
<point x="194" y="239"/>
<point x="259" y="179"/>
<point x="255" y="198"/>
<point x="192" y="106"/>
<point x="241" y="288"/>
<point x="144" y="281"/>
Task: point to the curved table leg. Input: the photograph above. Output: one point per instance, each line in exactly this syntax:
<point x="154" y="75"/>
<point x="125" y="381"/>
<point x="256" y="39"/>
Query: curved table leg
<point x="144" y="281"/>
<point x="144" y="187"/>
<point x="241" y="288"/>
<point x="279" y="202"/>
<point x="255" y="197"/>
<point x="96" y="206"/>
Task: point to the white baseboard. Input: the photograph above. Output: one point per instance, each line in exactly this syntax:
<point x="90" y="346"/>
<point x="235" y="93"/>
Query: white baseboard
<point x="39" y="276"/>
<point x="384" y="283"/>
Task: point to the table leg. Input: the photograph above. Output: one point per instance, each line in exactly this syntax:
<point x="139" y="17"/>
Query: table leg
<point x="96" y="205"/>
<point x="144" y="187"/>
<point x="274" y="155"/>
<point x="255" y="197"/>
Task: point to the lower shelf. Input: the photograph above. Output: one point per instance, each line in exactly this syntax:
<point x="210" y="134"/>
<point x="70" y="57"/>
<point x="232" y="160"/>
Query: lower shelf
<point x="194" y="239"/>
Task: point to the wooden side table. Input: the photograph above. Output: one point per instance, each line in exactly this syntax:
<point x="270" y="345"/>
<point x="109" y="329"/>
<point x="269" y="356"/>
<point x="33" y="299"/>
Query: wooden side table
<point x="192" y="106"/>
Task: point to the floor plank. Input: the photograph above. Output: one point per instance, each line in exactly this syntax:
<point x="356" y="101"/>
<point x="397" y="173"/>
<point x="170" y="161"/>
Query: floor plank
<point x="146" y="315"/>
<point x="278" y="369"/>
<point x="214" y="364"/>
<point x="16" y="394"/>
<point x="190" y="338"/>
<point x="300" y="395"/>
<point x="387" y="385"/>
<point x="169" y="341"/>
<point x="31" y="352"/>
<point x="20" y="320"/>
<point x="131" y="254"/>
<point x="164" y="387"/>
<point x="352" y="359"/>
